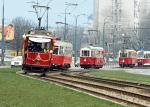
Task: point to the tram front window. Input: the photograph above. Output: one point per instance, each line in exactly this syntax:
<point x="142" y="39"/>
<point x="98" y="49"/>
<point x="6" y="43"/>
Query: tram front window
<point x="123" y="54"/>
<point x="37" y="47"/>
<point x="85" y="53"/>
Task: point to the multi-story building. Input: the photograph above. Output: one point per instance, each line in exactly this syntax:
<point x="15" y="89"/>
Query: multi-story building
<point x="116" y="18"/>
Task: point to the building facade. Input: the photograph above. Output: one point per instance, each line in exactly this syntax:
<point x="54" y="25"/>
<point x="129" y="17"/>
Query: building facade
<point x="116" y="18"/>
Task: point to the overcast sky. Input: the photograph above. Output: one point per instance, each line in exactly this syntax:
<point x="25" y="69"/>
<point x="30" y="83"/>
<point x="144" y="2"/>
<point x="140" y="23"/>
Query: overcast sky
<point x="20" y="8"/>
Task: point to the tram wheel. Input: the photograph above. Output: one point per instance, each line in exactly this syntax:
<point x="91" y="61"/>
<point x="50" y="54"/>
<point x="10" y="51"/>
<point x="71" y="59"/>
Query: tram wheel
<point x="43" y="75"/>
<point x="25" y="72"/>
<point x="122" y="65"/>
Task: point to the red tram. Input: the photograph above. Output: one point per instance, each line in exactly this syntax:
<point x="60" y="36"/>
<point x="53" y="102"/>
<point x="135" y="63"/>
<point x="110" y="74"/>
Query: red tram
<point x="62" y="55"/>
<point x="127" y="58"/>
<point x="91" y="57"/>
<point x="37" y="51"/>
<point x="143" y="58"/>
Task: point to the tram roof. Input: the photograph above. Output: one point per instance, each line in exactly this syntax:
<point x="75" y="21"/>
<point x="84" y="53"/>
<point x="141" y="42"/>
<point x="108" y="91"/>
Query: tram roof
<point x="145" y="52"/>
<point x="92" y="48"/>
<point x="39" y="38"/>
<point x="61" y="43"/>
<point x="127" y="50"/>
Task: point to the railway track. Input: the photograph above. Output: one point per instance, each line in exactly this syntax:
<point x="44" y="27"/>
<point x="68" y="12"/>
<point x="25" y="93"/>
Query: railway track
<point x="127" y="93"/>
<point x="110" y="81"/>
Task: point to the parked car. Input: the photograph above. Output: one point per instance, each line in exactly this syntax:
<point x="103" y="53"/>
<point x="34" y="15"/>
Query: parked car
<point x="16" y="61"/>
<point x="77" y="63"/>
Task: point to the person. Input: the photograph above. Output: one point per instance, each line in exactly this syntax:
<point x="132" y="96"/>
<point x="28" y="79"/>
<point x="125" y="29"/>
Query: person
<point x="9" y="32"/>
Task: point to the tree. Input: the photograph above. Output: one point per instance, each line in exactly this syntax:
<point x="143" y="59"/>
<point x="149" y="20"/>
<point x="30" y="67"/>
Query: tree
<point x="145" y="31"/>
<point x="21" y="25"/>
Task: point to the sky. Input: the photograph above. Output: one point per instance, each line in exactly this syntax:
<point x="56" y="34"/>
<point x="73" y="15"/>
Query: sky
<point x="21" y="8"/>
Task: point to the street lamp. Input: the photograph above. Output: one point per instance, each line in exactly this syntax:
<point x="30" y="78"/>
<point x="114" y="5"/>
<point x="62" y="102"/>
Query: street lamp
<point x="105" y="21"/>
<point x="67" y="6"/>
<point x="75" y="36"/>
<point x="123" y="35"/>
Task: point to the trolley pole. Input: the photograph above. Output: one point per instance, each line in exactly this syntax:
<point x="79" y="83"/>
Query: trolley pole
<point x="36" y="7"/>
<point x="3" y="41"/>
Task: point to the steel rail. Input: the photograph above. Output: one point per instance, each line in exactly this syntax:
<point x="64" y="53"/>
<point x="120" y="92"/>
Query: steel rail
<point x="79" y="84"/>
<point x="111" y="81"/>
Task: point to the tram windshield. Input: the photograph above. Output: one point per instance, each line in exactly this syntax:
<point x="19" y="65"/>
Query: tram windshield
<point x="123" y="54"/>
<point x="38" y="47"/>
<point x="140" y="54"/>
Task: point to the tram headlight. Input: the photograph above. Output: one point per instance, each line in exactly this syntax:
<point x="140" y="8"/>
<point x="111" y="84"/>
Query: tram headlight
<point x="51" y="51"/>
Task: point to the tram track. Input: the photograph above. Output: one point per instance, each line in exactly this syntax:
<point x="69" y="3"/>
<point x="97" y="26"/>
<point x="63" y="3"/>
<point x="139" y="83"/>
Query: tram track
<point x="102" y="88"/>
<point x="110" y="81"/>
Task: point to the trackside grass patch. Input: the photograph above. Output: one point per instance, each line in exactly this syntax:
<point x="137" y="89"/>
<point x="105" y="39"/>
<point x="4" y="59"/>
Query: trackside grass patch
<point x="122" y="75"/>
<point x="18" y="91"/>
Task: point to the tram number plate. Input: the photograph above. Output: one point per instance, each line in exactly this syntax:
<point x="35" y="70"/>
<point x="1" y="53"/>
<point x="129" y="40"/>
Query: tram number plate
<point x="16" y="63"/>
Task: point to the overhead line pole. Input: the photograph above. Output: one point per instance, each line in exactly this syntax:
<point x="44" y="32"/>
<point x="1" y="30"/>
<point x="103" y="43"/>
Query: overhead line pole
<point x="65" y="26"/>
<point x="3" y="41"/>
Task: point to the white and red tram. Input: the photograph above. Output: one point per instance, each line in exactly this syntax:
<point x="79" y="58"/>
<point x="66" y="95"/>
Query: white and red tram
<point x="143" y="58"/>
<point x="62" y="55"/>
<point x="37" y="51"/>
<point x="127" y="58"/>
<point x="91" y="57"/>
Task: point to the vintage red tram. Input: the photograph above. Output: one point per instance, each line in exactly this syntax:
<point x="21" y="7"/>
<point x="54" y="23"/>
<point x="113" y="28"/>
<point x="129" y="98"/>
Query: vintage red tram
<point x="91" y="57"/>
<point x="127" y="58"/>
<point x="37" y="51"/>
<point x="143" y="58"/>
<point x="62" y="55"/>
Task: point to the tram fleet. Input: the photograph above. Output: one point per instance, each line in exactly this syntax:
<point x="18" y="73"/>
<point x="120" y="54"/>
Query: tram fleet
<point x="43" y="52"/>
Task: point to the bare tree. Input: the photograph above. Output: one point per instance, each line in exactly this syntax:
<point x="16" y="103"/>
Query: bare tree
<point x="145" y="31"/>
<point x="21" y="26"/>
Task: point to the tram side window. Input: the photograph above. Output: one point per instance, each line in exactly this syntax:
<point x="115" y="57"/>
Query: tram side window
<point x="61" y="50"/>
<point x="85" y="53"/>
<point x="55" y="50"/>
<point x="67" y="51"/>
<point x="132" y="54"/>
<point x="147" y="56"/>
<point x="123" y="54"/>
<point x="92" y="53"/>
<point x="140" y="54"/>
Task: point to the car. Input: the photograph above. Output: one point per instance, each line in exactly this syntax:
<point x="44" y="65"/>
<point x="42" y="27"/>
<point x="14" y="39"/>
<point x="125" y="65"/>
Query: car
<point x="77" y="63"/>
<point x="16" y="61"/>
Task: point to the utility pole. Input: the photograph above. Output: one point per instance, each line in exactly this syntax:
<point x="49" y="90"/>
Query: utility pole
<point x="65" y="26"/>
<point x="136" y="17"/>
<point x="94" y="30"/>
<point x="116" y="17"/>
<point x="96" y="22"/>
<point x="3" y="40"/>
<point x="75" y="36"/>
<point x="105" y="22"/>
<point x="47" y="17"/>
